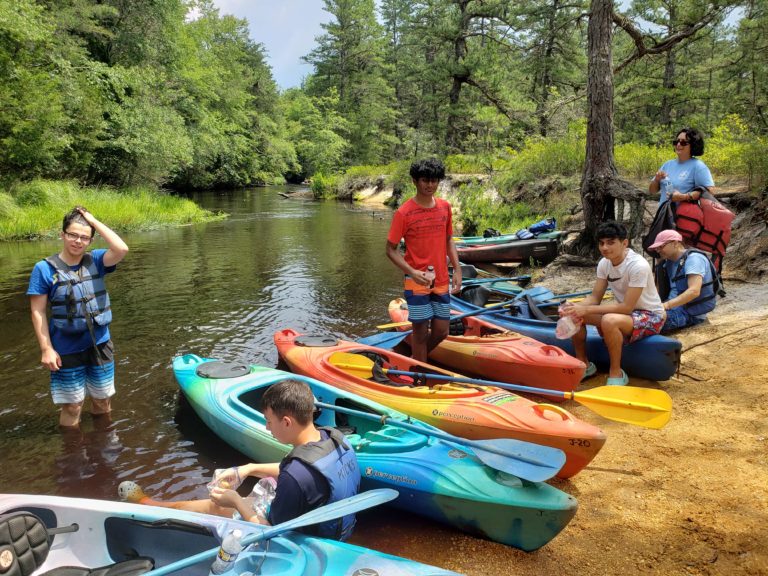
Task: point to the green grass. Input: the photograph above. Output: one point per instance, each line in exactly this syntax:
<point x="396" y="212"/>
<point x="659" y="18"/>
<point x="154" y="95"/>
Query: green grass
<point x="35" y="209"/>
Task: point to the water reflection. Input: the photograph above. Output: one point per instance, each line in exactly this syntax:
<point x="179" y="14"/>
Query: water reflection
<point x="217" y="290"/>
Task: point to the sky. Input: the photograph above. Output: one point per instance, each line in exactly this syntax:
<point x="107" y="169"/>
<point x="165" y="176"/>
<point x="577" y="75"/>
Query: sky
<point x="286" y="28"/>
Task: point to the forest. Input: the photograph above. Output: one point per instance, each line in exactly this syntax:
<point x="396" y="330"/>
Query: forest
<point x="175" y="94"/>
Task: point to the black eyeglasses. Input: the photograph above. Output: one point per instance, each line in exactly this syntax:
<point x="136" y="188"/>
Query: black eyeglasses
<point x="73" y="237"/>
<point x="681" y="142"/>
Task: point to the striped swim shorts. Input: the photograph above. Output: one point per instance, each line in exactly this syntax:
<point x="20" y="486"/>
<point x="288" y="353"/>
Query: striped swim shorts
<point x="92" y="370"/>
<point x="426" y="303"/>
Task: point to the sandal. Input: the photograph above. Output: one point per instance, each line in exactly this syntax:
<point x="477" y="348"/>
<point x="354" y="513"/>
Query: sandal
<point x="622" y="380"/>
<point x="590" y="371"/>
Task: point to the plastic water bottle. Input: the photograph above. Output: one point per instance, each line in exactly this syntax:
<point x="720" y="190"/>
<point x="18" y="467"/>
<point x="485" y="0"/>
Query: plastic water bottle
<point x="666" y="188"/>
<point x="567" y="325"/>
<point x="263" y="494"/>
<point x="230" y="548"/>
<point x="430" y="275"/>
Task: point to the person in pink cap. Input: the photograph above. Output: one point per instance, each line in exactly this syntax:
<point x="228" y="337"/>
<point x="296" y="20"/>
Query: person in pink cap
<point x="689" y="285"/>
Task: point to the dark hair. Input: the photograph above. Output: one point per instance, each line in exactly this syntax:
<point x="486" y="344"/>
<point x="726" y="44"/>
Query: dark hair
<point x="696" y="139"/>
<point x="290" y="398"/>
<point x="427" y="168"/>
<point x="611" y="229"/>
<point x="75" y="216"/>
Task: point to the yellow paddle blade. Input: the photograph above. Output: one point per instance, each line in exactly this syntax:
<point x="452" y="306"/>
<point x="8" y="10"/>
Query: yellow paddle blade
<point x="355" y="364"/>
<point x="392" y="325"/>
<point x="630" y="404"/>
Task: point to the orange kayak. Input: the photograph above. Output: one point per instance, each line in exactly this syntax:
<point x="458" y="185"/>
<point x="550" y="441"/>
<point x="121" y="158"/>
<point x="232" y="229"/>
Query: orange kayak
<point x="476" y="412"/>
<point x="495" y="354"/>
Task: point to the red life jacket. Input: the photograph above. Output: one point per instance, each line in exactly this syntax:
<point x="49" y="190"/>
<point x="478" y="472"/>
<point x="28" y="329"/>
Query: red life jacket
<point x="705" y="224"/>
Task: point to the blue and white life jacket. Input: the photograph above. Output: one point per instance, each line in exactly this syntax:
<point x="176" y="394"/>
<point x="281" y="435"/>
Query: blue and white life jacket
<point x="79" y="297"/>
<point x="706" y="300"/>
<point x="336" y="461"/>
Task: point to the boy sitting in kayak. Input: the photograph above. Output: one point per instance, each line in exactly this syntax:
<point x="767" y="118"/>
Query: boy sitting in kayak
<point x="425" y="222"/>
<point x="322" y="468"/>
<point x="636" y="310"/>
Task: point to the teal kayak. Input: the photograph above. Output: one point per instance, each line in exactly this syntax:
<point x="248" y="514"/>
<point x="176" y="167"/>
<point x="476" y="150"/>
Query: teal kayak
<point x="435" y="477"/>
<point x="130" y="538"/>
<point x="504" y="238"/>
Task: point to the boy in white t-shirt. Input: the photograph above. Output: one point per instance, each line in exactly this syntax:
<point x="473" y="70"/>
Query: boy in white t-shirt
<point x="636" y="310"/>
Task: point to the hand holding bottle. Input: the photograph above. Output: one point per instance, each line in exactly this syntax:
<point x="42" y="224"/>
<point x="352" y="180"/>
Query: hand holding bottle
<point x="569" y="324"/>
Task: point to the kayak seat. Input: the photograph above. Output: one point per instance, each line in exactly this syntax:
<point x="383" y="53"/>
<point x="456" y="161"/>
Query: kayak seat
<point x="456" y="327"/>
<point x="25" y="542"/>
<point x="477" y="295"/>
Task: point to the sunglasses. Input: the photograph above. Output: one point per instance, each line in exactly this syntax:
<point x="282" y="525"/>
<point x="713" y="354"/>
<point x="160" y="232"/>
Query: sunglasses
<point x="681" y="142"/>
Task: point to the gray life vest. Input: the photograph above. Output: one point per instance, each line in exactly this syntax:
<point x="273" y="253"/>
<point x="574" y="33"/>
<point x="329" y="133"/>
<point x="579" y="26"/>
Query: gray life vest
<point x="79" y="297"/>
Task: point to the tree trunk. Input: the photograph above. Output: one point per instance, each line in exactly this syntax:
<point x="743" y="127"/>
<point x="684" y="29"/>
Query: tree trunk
<point x="460" y="75"/>
<point x="600" y="173"/>
<point x="546" y="74"/>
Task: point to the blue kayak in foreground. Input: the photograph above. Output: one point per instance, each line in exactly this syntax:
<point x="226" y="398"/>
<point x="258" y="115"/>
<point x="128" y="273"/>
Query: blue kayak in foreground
<point x="653" y="358"/>
<point x="436" y="478"/>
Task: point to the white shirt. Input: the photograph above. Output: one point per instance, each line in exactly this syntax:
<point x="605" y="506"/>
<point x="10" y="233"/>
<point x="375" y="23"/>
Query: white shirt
<point x="633" y="272"/>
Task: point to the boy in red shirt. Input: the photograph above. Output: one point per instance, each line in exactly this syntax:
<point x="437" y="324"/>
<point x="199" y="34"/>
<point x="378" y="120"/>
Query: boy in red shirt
<point x="425" y="222"/>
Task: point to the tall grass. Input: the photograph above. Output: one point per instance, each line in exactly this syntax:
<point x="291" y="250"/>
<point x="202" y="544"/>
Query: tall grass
<point x="35" y="209"/>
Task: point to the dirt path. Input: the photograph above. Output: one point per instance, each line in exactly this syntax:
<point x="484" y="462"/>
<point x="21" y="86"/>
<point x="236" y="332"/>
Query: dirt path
<point x="689" y="499"/>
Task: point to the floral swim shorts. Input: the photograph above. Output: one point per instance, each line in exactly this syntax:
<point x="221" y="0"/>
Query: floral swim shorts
<point x="644" y="323"/>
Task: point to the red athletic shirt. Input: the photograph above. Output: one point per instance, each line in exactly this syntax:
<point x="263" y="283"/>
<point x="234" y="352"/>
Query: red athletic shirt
<point x="426" y="232"/>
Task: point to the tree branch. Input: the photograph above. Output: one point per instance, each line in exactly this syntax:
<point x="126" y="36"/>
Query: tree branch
<point x="639" y="37"/>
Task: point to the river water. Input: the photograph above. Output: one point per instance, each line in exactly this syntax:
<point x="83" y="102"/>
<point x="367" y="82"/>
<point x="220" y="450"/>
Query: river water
<point x="219" y="290"/>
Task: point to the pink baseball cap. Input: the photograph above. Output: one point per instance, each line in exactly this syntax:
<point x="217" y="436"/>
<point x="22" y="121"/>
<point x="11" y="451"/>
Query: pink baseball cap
<point x="665" y="236"/>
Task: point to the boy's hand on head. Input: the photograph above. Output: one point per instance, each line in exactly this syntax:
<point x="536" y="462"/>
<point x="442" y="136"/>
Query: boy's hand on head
<point x="85" y="214"/>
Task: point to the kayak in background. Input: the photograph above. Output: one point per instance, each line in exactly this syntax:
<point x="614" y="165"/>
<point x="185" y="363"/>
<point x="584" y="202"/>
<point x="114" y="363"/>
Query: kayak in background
<point x="542" y="250"/>
<point x="478" y="347"/>
<point x="653" y="358"/>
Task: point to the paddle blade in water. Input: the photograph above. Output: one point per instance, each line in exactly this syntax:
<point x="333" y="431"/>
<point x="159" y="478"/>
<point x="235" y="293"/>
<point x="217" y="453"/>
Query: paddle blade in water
<point x="631" y="404"/>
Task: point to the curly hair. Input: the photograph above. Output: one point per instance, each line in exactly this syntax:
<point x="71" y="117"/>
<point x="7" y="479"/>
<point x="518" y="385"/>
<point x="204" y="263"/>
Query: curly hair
<point x="427" y="168"/>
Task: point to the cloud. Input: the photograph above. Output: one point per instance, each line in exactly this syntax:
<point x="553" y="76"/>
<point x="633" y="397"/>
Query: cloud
<point x="286" y="28"/>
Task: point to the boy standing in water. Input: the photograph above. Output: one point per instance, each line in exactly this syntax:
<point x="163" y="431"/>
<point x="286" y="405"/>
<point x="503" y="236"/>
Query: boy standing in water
<point x="322" y="468"/>
<point x="425" y="222"/>
<point x="76" y="345"/>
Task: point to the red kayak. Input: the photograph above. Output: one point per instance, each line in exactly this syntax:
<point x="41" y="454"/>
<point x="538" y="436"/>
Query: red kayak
<point x="490" y="352"/>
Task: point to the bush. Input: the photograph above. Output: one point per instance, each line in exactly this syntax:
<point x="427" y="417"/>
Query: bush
<point x="324" y="186"/>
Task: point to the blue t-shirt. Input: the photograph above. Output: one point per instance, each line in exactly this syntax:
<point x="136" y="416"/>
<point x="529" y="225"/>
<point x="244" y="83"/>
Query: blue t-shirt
<point x="694" y="264"/>
<point x="42" y="282"/>
<point x="686" y="176"/>
<point x="300" y="488"/>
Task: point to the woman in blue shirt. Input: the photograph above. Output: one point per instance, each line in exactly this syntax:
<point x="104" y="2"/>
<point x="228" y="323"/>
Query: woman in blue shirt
<point x="686" y="172"/>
